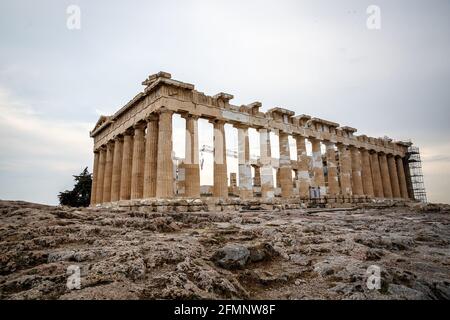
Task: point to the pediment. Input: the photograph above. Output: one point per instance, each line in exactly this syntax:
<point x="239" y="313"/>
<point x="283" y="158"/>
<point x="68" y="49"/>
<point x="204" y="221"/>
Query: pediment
<point x="100" y="121"/>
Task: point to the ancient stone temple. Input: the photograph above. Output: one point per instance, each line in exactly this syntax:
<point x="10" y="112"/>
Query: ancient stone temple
<point x="133" y="159"/>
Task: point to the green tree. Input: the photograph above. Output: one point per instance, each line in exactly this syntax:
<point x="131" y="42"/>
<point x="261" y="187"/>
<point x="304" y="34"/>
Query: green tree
<point x="80" y="196"/>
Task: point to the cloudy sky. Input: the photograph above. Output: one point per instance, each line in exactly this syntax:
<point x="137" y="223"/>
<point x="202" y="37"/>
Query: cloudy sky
<point x="314" y="57"/>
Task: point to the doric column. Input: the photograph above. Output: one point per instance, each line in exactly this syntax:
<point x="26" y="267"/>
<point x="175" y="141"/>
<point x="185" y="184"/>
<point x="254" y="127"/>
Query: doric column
<point x="101" y="175"/>
<point x="401" y="177"/>
<point x="220" y="188"/>
<point x="409" y="185"/>
<point x="233" y="183"/>
<point x="94" y="177"/>
<point x="137" y="166"/>
<point x="191" y="165"/>
<point x="376" y="175"/>
<point x="304" y="181"/>
<point x="164" y="171"/>
<point x="392" y="165"/>
<point x="366" y="173"/>
<point x="345" y="165"/>
<point x="245" y="170"/>
<point x="278" y="177"/>
<point x="386" y="180"/>
<point x="285" y="165"/>
<point x="266" y="164"/>
<point x="257" y="178"/>
<point x="108" y="172"/>
<point x="151" y="156"/>
<point x="117" y="168"/>
<point x="357" y="186"/>
<point x="333" y="181"/>
<point x="127" y="160"/>
<point x="317" y="166"/>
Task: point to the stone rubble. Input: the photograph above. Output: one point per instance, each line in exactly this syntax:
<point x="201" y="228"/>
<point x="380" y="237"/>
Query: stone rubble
<point x="258" y="254"/>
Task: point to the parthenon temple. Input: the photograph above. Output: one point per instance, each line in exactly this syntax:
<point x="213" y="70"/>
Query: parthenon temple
<point x="133" y="156"/>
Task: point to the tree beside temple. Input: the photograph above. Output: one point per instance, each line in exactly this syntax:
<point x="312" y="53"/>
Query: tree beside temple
<point x="80" y="195"/>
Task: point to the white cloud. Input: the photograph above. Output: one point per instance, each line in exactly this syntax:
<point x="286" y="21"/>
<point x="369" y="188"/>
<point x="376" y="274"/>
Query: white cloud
<point x="33" y="145"/>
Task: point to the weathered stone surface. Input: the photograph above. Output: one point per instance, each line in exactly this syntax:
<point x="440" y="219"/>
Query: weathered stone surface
<point x="285" y="254"/>
<point x="236" y="256"/>
<point x="232" y="256"/>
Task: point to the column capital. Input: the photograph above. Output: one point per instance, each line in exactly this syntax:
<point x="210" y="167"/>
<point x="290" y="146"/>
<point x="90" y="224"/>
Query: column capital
<point x="342" y="146"/>
<point x="390" y="154"/>
<point x="152" y="117"/>
<point x="281" y="131"/>
<point x="164" y="110"/>
<point x="217" y="121"/>
<point x="139" y="125"/>
<point x="189" y="116"/>
<point x="241" y="126"/>
<point x="119" y="137"/>
<point x="128" y="132"/>
<point x="298" y="135"/>
<point x="311" y="139"/>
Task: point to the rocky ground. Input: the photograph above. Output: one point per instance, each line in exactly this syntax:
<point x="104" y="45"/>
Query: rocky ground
<point x="292" y="254"/>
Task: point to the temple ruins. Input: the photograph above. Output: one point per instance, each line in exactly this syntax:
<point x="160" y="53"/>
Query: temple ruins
<point x="134" y="165"/>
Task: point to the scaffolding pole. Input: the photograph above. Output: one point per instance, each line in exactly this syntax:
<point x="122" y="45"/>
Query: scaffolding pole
<point x="415" y="181"/>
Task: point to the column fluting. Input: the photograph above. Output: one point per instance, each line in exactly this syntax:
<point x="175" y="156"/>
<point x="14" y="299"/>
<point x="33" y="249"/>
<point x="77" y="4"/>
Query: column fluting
<point x="285" y="165"/>
<point x="117" y="168"/>
<point x="392" y="166"/>
<point x="164" y="171"/>
<point x="345" y="170"/>
<point x="376" y="175"/>
<point x="245" y="171"/>
<point x="333" y="181"/>
<point x="108" y="172"/>
<point x="304" y="180"/>
<point x="127" y="160"/>
<point x="366" y="173"/>
<point x="357" y="186"/>
<point x="220" y="188"/>
<point x="402" y="178"/>
<point x="94" y="177"/>
<point x="266" y="164"/>
<point x="151" y="156"/>
<point x="191" y="164"/>
<point x="317" y="167"/>
<point x="385" y="179"/>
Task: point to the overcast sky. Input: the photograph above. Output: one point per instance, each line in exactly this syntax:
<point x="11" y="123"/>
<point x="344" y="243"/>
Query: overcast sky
<point x="313" y="57"/>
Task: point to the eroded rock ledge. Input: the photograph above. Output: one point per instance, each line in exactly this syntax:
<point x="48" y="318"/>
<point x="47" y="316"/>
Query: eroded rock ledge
<point x="281" y="253"/>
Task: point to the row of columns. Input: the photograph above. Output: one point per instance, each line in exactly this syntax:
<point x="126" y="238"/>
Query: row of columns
<point x="129" y="166"/>
<point x="358" y="172"/>
<point x="138" y="164"/>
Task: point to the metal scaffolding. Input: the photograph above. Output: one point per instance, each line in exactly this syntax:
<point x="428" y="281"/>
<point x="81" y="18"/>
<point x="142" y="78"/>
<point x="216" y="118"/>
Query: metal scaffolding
<point x="415" y="176"/>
